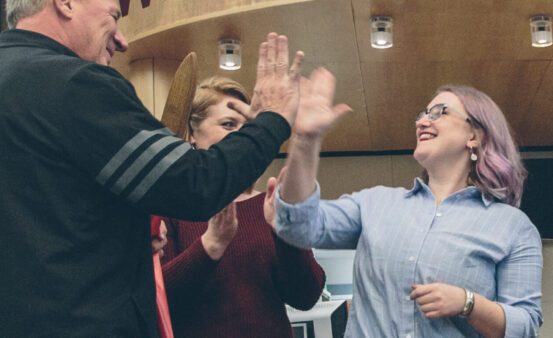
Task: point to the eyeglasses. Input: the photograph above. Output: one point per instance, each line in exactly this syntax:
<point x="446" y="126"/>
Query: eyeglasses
<point x="435" y="112"/>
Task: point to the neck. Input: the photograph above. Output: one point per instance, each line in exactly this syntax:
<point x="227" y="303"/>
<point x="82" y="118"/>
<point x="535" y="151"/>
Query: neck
<point x="46" y="23"/>
<point x="447" y="180"/>
<point x="246" y="195"/>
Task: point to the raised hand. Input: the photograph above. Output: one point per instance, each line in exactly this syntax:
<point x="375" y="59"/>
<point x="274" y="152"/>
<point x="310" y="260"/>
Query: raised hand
<point x="438" y="299"/>
<point x="277" y="85"/>
<point x="221" y="229"/>
<point x="316" y="111"/>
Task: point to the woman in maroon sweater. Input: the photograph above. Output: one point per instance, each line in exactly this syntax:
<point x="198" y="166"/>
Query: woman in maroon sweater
<point x="231" y="276"/>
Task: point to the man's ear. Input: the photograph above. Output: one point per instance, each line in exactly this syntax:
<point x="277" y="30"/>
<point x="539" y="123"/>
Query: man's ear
<point x="64" y="8"/>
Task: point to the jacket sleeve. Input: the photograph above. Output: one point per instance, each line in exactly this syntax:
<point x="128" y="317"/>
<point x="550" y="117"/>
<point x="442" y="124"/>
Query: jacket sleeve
<point x="301" y="278"/>
<point x="110" y="135"/>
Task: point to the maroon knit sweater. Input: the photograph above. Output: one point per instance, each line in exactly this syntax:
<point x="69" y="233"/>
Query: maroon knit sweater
<point x="243" y="294"/>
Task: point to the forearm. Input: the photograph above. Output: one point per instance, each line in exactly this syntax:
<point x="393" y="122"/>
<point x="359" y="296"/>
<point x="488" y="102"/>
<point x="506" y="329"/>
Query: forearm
<point x="188" y="270"/>
<point x="487" y="318"/>
<point x="214" y="247"/>
<point x="302" y="166"/>
<point x="201" y="183"/>
<point x="301" y="278"/>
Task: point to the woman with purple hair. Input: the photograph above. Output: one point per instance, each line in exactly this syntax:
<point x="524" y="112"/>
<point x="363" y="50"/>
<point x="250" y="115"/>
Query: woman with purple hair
<point x="451" y="257"/>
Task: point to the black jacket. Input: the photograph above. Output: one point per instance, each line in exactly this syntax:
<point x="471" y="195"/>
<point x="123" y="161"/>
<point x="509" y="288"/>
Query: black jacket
<point x="82" y="165"/>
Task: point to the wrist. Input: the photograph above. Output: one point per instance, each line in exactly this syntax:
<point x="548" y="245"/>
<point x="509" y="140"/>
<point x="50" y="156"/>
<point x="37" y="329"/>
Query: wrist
<point x="469" y="304"/>
<point x="213" y="247"/>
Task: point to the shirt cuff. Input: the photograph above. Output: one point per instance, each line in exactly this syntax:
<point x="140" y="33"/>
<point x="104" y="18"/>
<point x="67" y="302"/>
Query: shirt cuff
<point x="518" y="323"/>
<point x="295" y="221"/>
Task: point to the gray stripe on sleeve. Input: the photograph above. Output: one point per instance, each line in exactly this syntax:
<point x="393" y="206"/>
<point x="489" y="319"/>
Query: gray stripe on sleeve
<point x="111" y="167"/>
<point x="157" y="171"/>
<point x="143" y="160"/>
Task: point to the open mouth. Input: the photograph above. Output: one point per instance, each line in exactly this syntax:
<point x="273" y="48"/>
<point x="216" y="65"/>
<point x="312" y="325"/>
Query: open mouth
<point x="425" y="136"/>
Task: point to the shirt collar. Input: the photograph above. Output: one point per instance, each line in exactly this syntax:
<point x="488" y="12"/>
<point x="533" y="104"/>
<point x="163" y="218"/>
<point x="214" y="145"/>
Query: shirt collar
<point x="21" y="37"/>
<point x="468" y="192"/>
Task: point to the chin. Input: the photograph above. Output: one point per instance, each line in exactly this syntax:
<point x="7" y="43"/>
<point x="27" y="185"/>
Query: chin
<point x="420" y="155"/>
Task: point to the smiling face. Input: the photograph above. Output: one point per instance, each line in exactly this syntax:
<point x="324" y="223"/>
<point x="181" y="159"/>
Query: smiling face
<point x="96" y="31"/>
<point x="219" y="122"/>
<point x="446" y="139"/>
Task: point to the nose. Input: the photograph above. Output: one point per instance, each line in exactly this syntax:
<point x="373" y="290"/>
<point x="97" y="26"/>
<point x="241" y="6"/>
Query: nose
<point x="423" y="122"/>
<point x="121" y="44"/>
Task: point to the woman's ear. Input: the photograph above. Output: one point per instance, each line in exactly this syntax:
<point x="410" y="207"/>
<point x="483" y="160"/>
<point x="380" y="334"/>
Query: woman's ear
<point x="474" y="140"/>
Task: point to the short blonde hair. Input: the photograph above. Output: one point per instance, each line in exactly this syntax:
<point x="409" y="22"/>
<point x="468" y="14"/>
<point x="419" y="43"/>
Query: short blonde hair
<point x="210" y="92"/>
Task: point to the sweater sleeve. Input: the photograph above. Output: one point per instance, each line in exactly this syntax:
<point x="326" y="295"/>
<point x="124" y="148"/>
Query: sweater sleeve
<point x="107" y="132"/>
<point x="184" y="269"/>
<point x="301" y="278"/>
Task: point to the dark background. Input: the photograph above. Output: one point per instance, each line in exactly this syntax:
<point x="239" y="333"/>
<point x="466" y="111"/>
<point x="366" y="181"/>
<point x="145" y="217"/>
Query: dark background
<point x="537" y="201"/>
<point x="3" y="24"/>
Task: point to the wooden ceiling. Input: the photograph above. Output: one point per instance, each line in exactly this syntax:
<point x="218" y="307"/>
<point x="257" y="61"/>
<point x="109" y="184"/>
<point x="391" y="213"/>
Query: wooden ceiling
<point x="482" y="43"/>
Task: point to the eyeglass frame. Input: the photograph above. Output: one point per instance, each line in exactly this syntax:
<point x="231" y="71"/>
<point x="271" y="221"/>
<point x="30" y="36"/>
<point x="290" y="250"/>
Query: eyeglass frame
<point x="442" y="109"/>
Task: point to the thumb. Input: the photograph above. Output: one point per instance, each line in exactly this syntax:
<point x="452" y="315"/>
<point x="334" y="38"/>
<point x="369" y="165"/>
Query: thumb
<point x="341" y="109"/>
<point x="271" y="185"/>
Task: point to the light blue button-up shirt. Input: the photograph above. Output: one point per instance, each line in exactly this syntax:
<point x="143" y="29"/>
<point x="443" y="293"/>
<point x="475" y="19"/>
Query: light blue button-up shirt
<point x="403" y="238"/>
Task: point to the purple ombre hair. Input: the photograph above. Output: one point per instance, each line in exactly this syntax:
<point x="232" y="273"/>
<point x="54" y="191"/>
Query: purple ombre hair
<point x="498" y="172"/>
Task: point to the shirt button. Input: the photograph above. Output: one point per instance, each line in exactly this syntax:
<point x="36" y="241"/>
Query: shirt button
<point x="408" y="298"/>
<point x="411" y="259"/>
<point x="438" y="214"/>
<point x="408" y="336"/>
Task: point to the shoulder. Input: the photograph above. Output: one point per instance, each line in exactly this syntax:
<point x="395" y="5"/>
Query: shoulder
<point x="520" y="225"/>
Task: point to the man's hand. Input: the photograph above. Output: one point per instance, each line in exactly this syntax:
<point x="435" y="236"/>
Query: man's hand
<point x="277" y="84"/>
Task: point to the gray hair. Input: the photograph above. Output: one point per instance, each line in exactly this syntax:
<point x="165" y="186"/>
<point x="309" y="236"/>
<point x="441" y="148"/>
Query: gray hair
<point x="19" y="9"/>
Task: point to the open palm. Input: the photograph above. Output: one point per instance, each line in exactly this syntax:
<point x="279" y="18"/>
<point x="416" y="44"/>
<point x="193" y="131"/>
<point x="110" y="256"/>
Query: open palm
<point x="316" y="113"/>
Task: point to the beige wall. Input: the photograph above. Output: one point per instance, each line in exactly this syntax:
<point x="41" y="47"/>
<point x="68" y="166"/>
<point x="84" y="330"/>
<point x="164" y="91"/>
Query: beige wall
<point x="338" y="175"/>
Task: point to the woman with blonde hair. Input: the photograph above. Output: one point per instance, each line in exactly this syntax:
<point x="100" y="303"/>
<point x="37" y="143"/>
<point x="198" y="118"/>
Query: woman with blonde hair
<point x="231" y="276"/>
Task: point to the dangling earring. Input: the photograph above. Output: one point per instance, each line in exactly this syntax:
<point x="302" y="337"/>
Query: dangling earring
<point x="473" y="156"/>
<point x="193" y="145"/>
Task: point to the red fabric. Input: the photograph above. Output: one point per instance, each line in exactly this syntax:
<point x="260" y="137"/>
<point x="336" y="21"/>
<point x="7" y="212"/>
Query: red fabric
<point x="243" y="294"/>
<point x="163" y="315"/>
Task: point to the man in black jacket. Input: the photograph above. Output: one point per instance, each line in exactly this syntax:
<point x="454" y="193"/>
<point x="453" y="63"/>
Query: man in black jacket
<point x="83" y="164"/>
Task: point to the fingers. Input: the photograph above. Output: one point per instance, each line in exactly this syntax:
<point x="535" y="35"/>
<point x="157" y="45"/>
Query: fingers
<point x="420" y="290"/>
<point x="162" y="228"/>
<point x="282" y="56"/>
<point x="324" y="84"/>
<point x="230" y="214"/>
<point x="262" y="62"/>
<point x="305" y="87"/>
<point x="241" y="108"/>
<point x="271" y="53"/>
<point x="295" y="70"/>
<point x="341" y="109"/>
<point x="271" y="185"/>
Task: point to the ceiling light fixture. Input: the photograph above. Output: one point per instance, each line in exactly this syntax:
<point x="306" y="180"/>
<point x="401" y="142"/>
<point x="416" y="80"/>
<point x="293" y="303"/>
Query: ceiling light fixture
<point x="540" y="28"/>
<point x="381" y="32"/>
<point x="230" y="54"/>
